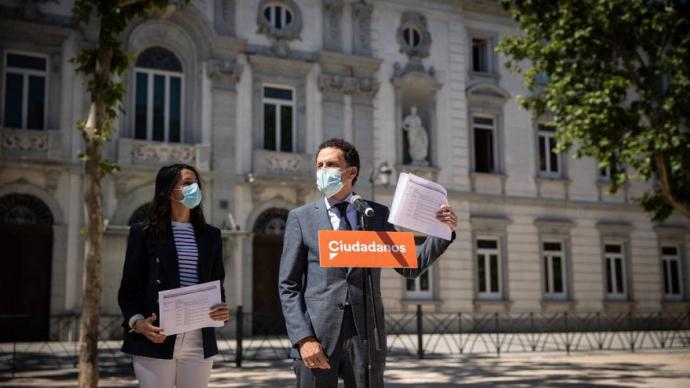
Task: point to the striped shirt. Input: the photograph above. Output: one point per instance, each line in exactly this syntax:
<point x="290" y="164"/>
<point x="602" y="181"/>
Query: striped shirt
<point x="187" y="253"/>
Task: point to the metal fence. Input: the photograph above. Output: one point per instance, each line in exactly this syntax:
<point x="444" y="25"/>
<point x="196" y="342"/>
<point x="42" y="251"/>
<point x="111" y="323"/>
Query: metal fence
<point x="259" y="337"/>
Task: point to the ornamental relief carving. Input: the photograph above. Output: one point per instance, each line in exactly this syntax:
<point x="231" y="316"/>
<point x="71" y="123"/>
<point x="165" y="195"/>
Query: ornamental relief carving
<point x="24" y="140"/>
<point x="224" y="72"/>
<point x="163" y="153"/>
<point x="283" y="163"/>
<point x="334" y="83"/>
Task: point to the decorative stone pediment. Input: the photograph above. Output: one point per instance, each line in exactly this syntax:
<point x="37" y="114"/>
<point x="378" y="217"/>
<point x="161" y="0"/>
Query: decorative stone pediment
<point x="358" y="86"/>
<point x="493" y="93"/>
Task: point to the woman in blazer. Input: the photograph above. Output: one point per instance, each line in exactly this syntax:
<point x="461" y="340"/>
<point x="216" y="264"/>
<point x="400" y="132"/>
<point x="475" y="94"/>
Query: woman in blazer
<point x="174" y="248"/>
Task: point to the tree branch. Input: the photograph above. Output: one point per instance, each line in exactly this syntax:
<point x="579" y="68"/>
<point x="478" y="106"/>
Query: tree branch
<point x="662" y="173"/>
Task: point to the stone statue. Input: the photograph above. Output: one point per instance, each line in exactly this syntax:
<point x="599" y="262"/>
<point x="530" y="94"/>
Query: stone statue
<point x="417" y="137"/>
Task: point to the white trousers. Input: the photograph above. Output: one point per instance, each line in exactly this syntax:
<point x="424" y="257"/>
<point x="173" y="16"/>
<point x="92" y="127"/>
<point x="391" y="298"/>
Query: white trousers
<point x="187" y="369"/>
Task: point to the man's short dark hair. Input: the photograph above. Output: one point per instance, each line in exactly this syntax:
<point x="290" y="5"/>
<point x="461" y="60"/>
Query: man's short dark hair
<point x="349" y="151"/>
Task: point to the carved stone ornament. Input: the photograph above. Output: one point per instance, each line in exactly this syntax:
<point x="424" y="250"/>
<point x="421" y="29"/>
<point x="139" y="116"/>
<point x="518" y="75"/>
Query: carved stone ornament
<point x="335" y="83"/>
<point x="413" y="35"/>
<point x="224" y="72"/>
<point x="24" y="140"/>
<point x="417" y="137"/>
<point x="283" y="163"/>
<point x="164" y="152"/>
<point x="289" y="30"/>
<point x="362" y="18"/>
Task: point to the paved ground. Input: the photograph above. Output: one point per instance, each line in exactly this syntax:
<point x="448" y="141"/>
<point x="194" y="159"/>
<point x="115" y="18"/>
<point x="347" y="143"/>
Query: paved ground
<point x="601" y="369"/>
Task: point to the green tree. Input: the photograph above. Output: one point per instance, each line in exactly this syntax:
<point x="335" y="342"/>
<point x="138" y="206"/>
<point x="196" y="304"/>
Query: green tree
<point x="100" y="65"/>
<point x="614" y="75"/>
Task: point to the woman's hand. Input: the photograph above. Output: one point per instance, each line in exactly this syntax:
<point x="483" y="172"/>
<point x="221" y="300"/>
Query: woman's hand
<point x="148" y="330"/>
<point x="220" y="312"/>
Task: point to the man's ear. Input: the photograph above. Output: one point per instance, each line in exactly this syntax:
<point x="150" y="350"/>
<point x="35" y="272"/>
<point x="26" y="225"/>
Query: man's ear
<point x="353" y="172"/>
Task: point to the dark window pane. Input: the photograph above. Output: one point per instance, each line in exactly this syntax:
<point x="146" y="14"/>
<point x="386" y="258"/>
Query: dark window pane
<point x="424" y="281"/>
<point x="278" y="18"/>
<point x="159" y="58"/>
<point x="557" y="274"/>
<point x="552" y="246"/>
<point x="26" y="62"/>
<point x="175" y="109"/>
<point x="667" y="283"/>
<point x="270" y="127"/>
<point x="281" y="94"/>
<point x="267" y="14"/>
<point x="675" y="277"/>
<point x="487" y="244"/>
<point x="483" y="150"/>
<point x="286" y="128"/>
<point x="609" y="277"/>
<point x="671" y="251"/>
<point x="542" y="153"/>
<point x="613" y="248"/>
<point x="158" y="108"/>
<point x="410" y="285"/>
<point x="547" y="285"/>
<point x="619" y="276"/>
<point x="14" y="83"/>
<point x="554" y="155"/>
<point x="37" y="98"/>
<point x="481" y="273"/>
<point x="479" y="54"/>
<point x="140" y="108"/>
<point x="494" y="273"/>
<point x="288" y="17"/>
<point x="415" y="38"/>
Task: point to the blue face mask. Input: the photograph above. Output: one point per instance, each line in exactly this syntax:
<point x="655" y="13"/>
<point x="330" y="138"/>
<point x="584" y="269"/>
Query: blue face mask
<point x="191" y="195"/>
<point x="329" y="181"/>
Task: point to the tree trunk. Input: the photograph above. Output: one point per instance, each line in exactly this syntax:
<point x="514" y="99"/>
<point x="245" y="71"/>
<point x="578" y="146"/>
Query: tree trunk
<point x="91" y="304"/>
<point x="680" y="204"/>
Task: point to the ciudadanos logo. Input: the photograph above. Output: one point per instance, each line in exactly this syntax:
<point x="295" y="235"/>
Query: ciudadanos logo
<point x="336" y="247"/>
<point x="339" y="248"/>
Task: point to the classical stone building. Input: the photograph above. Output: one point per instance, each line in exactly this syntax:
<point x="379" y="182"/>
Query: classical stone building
<point x="245" y="90"/>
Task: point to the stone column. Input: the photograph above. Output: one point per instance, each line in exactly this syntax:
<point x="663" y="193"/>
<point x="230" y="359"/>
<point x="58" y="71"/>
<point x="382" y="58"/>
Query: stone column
<point x="363" y="126"/>
<point x="333" y="88"/>
<point x="224" y="74"/>
<point x="361" y="28"/>
<point x="332" y="25"/>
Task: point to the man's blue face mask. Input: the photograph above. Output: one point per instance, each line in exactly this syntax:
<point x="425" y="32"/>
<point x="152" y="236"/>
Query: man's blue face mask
<point x="191" y="195"/>
<point x="329" y="181"/>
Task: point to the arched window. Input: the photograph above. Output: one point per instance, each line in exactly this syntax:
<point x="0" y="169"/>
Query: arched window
<point x="412" y="37"/>
<point x="158" y="110"/>
<point x="278" y="15"/>
<point x="23" y="209"/>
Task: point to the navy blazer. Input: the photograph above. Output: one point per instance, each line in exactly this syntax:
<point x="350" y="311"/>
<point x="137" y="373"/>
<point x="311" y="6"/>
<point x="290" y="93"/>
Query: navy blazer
<point x="150" y="268"/>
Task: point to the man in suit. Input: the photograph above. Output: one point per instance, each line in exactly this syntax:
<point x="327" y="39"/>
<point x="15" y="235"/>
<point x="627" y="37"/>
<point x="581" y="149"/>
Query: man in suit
<point x="323" y="307"/>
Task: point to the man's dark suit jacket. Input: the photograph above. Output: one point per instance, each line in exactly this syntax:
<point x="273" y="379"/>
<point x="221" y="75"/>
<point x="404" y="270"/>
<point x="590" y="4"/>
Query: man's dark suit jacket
<point x="150" y="268"/>
<point x="313" y="297"/>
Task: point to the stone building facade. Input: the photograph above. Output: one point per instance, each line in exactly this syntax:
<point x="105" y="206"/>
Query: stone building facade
<point x="245" y="90"/>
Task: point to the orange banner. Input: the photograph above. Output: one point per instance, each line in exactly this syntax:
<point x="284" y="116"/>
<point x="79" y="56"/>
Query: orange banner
<point x="363" y="249"/>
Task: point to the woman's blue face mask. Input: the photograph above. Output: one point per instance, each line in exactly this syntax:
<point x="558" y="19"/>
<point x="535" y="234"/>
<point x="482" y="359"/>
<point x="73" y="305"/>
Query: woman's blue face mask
<point x="191" y="195"/>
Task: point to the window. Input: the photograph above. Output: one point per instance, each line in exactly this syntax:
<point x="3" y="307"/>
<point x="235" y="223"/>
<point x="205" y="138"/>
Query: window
<point x="278" y="119"/>
<point x="420" y="287"/>
<point x="277" y="15"/>
<point x="25" y="91"/>
<point x="549" y="159"/>
<point x="605" y="173"/>
<point x="614" y="262"/>
<point x="488" y="269"/>
<point x="158" y="111"/>
<point x="484" y="144"/>
<point x="412" y="37"/>
<point x="554" y="270"/>
<point x="481" y="55"/>
<point x="671" y="269"/>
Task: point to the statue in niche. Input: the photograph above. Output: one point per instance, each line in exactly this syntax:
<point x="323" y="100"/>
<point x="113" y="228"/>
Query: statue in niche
<point x="417" y="138"/>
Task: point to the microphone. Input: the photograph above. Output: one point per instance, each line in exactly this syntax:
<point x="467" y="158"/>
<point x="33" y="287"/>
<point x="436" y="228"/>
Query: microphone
<point x="361" y="206"/>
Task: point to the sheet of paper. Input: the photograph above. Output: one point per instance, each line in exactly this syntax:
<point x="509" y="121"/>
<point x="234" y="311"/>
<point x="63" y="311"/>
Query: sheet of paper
<point x="415" y="204"/>
<point x="185" y="309"/>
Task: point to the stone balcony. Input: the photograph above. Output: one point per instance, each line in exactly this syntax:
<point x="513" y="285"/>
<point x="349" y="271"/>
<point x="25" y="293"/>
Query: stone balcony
<point x="282" y="166"/>
<point x="31" y="144"/>
<point x="146" y="153"/>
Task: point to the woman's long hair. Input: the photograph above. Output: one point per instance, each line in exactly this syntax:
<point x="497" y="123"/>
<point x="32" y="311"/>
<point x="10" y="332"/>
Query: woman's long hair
<point x="158" y="225"/>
